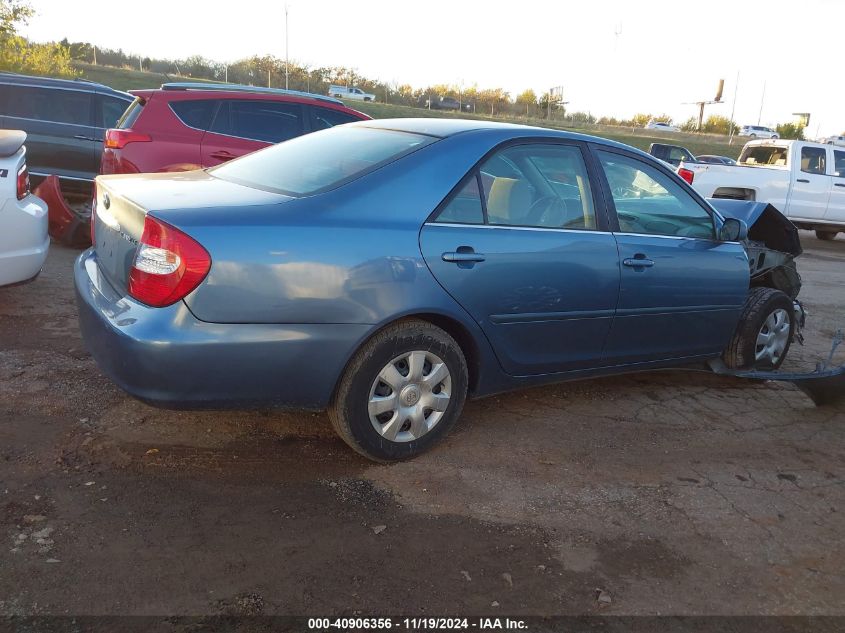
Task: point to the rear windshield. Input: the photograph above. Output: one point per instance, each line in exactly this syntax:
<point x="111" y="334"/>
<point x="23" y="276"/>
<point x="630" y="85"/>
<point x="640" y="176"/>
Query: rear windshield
<point x="320" y="161"/>
<point x="763" y="155"/>
<point x="131" y="115"/>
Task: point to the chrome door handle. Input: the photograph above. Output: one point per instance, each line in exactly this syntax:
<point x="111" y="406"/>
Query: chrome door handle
<point x="638" y="262"/>
<point x="463" y="257"/>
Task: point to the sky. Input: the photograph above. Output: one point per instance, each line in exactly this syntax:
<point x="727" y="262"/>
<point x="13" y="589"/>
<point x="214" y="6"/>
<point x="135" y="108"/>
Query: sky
<point x="612" y="57"/>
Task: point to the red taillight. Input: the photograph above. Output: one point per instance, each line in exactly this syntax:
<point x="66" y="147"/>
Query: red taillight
<point x="23" y="183"/>
<point x="686" y="174"/>
<point x="168" y="265"/>
<point x="118" y="139"/>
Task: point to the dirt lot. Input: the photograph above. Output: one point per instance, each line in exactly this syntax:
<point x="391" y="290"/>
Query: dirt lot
<point x="670" y="492"/>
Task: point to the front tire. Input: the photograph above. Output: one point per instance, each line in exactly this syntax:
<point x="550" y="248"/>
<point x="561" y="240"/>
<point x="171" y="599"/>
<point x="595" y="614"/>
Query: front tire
<point x="764" y="332"/>
<point x="401" y="393"/>
<point x="826" y="236"/>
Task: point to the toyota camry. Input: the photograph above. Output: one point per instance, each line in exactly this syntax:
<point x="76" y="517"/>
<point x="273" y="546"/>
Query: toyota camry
<point x="387" y="270"/>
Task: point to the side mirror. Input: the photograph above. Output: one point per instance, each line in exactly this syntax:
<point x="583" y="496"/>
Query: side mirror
<point x="733" y="230"/>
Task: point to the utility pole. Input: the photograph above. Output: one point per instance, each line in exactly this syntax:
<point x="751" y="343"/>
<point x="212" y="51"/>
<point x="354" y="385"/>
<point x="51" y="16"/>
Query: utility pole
<point x="733" y="111"/>
<point x="227" y="73"/>
<point x="286" y="46"/>
<point x="140" y="63"/>
<point x="268" y="77"/>
<point x="762" y="98"/>
<point x="95" y="54"/>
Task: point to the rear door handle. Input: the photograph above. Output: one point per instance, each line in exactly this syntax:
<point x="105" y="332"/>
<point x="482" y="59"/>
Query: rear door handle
<point x="802" y="180"/>
<point x="82" y="137"/>
<point x="638" y="261"/>
<point x="839" y="184"/>
<point x="223" y="155"/>
<point x="463" y="257"/>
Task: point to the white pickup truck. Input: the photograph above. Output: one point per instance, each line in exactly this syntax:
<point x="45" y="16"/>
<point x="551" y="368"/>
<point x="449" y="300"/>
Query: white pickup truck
<point x="342" y="92"/>
<point x="804" y="181"/>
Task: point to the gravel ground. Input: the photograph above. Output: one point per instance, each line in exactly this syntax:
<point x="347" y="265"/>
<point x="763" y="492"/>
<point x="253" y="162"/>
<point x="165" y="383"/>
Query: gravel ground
<point x="660" y="493"/>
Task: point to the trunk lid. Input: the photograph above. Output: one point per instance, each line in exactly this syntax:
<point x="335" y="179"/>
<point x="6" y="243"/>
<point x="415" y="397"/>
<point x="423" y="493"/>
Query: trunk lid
<point x="182" y="199"/>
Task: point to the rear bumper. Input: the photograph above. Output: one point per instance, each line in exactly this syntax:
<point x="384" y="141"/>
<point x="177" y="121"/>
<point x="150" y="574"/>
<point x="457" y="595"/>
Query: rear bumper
<point x="167" y="357"/>
<point x="24" y="242"/>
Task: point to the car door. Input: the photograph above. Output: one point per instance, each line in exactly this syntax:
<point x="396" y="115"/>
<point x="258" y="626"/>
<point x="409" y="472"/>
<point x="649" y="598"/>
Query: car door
<point x="836" y="205"/>
<point x="242" y="126"/>
<point x="681" y="290"/>
<point x="61" y="137"/>
<point x="520" y="246"/>
<point x="811" y="184"/>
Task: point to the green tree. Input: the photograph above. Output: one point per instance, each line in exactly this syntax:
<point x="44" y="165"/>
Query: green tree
<point x="642" y="118"/>
<point x="717" y="124"/>
<point x="17" y="54"/>
<point x="690" y="125"/>
<point x="528" y="99"/>
<point x="790" y="131"/>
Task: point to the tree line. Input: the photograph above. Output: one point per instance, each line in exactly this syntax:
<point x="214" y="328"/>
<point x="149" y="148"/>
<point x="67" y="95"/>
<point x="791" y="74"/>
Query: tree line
<point x="17" y="54"/>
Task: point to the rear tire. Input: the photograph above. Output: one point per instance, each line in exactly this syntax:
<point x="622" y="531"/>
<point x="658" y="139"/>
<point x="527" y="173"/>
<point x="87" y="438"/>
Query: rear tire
<point x="764" y="332"/>
<point x="401" y="393"/>
<point x="826" y="236"/>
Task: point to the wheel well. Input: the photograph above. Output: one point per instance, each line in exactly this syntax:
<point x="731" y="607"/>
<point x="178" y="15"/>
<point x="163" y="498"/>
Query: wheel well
<point x="735" y="193"/>
<point x="457" y="331"/>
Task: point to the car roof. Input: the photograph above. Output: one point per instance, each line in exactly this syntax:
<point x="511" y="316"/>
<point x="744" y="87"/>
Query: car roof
<point x="82" y="85"/>
<point x="445" y="127"/>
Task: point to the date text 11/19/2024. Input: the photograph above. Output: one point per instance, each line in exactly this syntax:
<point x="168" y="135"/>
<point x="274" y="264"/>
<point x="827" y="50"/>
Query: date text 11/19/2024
<point x="416" y="624"/>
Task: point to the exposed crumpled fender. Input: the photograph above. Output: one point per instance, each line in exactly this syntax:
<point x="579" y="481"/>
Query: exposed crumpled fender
<point x="772" y="244"/>
<point x="65" y="225"/>
<point x="765" y="223"/>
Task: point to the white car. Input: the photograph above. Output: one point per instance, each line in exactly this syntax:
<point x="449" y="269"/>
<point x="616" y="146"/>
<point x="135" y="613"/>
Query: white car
<point x="660" y="126"/>
<point x="758" y="131"/>
<point x="804" y="181"/>
<point x="356" y="94"/>
<point x="23" y="217"/>
<point x="833" y="140"/>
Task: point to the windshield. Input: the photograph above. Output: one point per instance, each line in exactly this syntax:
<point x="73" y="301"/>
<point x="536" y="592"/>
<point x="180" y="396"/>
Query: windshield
<point x="320" y="161"/>
<point x="763" y="155"/>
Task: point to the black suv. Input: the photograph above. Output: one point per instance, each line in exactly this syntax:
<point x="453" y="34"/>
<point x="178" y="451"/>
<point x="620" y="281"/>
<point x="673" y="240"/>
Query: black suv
<point x="65" y="120"/>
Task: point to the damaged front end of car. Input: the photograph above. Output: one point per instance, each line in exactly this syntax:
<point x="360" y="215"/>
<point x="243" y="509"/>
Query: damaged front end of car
<point x="772" y="244"/>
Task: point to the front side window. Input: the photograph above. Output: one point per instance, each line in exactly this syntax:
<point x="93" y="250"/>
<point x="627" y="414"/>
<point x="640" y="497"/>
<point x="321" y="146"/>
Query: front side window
<point x="813" y="160"/>
<point x="110" y="110"/>
<point x="649" y="202"/>
<point x="320" y="161"/>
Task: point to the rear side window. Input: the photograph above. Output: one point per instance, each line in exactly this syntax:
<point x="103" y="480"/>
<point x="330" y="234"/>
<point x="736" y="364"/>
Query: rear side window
<point x="839" y="163"/>
<point x="49" y="104"/>
<point x="110" y="110"/>
<point x="268" y="121"/>
<point x="813" y="160"/>
<point x="195" y="113"/>
<point x="322" y="160"/>
<point x="322" y="118"/>
<point x="130" y="115"/>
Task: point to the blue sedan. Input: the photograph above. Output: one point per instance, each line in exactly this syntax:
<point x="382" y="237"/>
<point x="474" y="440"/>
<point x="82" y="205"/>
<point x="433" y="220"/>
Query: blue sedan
<point x="386" y="270"/>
